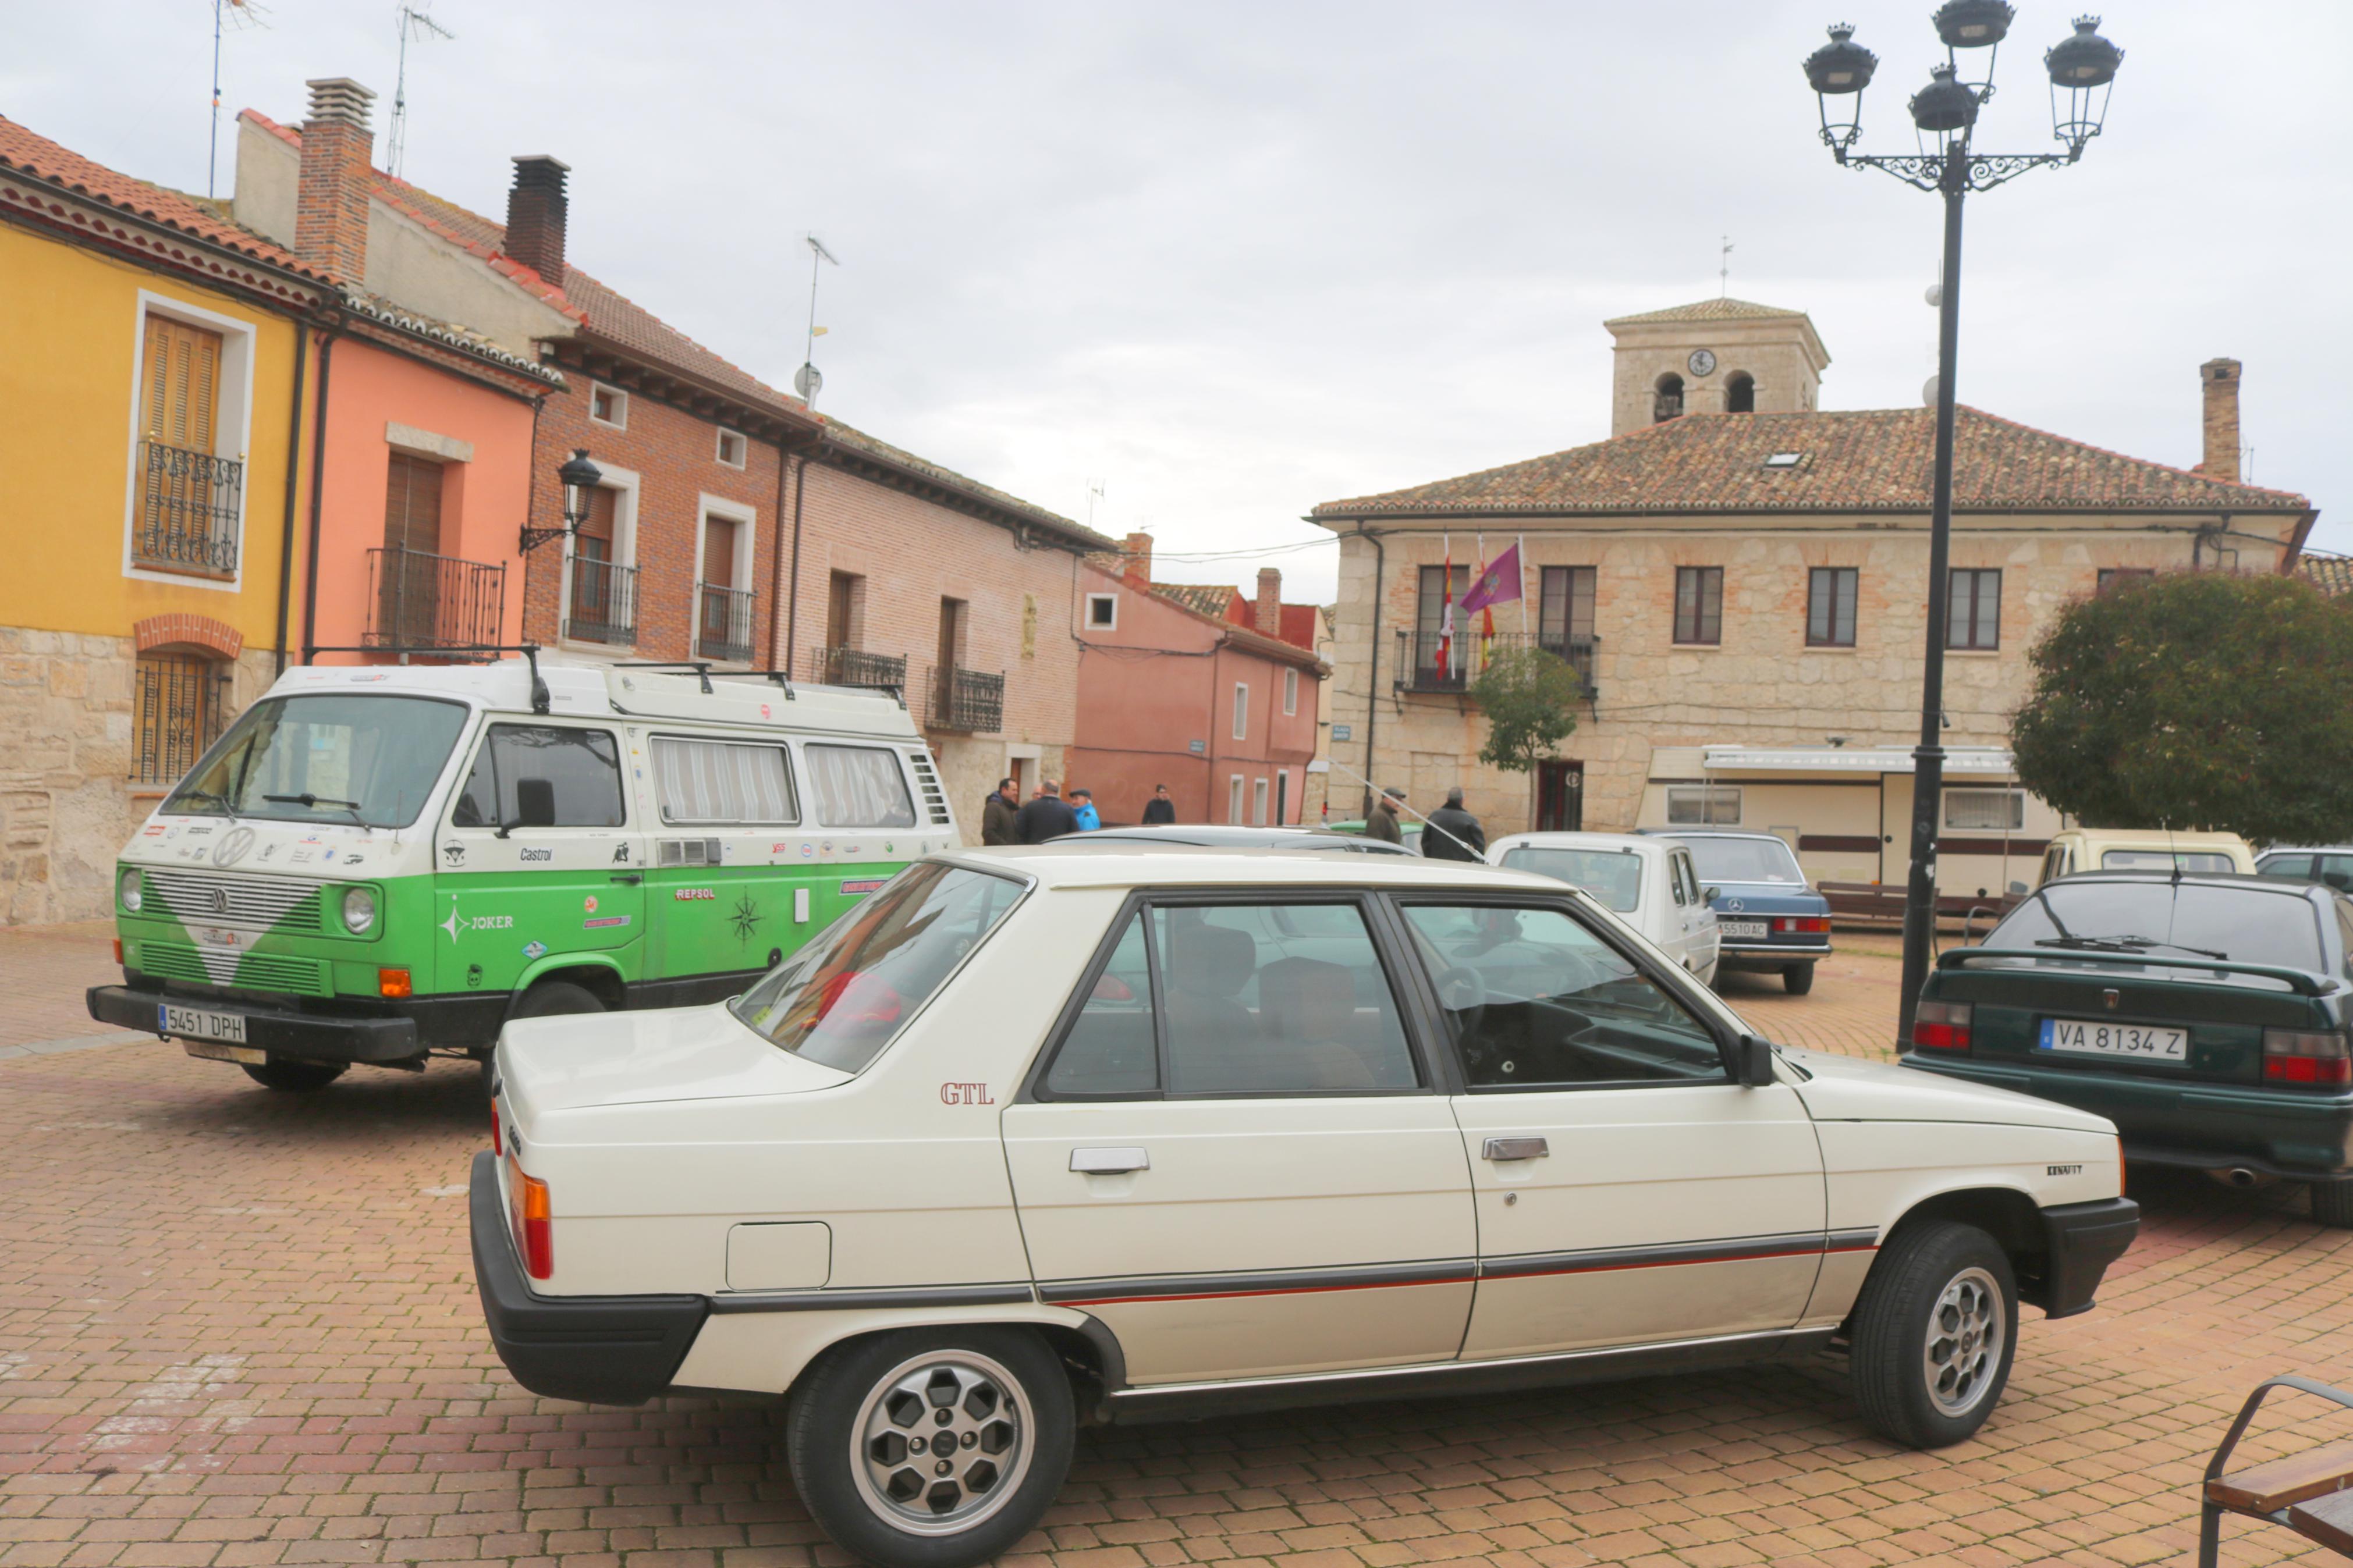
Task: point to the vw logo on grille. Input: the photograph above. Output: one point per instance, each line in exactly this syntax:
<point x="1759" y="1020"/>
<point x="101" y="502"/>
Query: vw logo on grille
<point x="220" y="901"/>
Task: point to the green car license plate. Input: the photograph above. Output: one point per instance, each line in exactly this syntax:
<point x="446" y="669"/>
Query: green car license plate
<point x="2134" y="1042"/>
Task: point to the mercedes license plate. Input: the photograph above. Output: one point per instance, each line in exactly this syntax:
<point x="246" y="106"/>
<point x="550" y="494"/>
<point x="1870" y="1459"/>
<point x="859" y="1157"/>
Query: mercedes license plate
<point x="199" y="1024"/>
<point x="2135" y="1042"/>
<point x="1755" y="930"/>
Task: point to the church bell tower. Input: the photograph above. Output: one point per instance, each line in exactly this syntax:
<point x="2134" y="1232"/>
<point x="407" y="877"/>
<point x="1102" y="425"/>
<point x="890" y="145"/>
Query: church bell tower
<point x="1718" y="356"/>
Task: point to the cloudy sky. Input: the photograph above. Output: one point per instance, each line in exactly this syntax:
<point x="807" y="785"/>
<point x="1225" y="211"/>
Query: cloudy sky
<point x="1228" y="260"/>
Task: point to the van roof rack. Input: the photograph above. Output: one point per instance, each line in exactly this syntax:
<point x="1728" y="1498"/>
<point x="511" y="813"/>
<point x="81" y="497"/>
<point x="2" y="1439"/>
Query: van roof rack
<point x="701" y="668"/>
<point x="530" y="651"/>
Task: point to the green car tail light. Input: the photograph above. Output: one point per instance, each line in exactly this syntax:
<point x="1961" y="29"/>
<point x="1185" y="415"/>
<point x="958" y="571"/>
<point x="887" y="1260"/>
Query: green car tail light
<point x="2297" y="1056"/>
<point x="1941" y="1026"/>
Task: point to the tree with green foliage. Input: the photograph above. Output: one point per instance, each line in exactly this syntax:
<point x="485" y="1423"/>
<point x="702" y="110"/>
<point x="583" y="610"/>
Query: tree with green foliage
<point x="1530" y="698"/>
<point x="2197" y="699"/>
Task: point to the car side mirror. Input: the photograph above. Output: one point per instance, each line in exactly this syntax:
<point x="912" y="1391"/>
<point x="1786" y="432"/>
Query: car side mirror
<point x="1753" y="1055"/>
<point x="534" y="802"/>
<point x="1709" y="895"/>
<point x="2018" y="887"/>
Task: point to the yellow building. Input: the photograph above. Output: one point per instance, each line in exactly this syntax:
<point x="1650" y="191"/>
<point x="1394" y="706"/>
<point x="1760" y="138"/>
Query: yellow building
<point x="151" y="361"/>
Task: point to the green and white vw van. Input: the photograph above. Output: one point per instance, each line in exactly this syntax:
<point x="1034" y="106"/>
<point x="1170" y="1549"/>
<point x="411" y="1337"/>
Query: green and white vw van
<point x="379" y="864"/>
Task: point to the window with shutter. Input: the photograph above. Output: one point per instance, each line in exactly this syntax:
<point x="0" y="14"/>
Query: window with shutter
<point x="408" y="580"/>
<point x="188" y="492"/>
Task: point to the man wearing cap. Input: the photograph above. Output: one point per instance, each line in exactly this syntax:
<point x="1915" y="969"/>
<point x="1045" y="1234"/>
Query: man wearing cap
<point x="1383" y="824"/>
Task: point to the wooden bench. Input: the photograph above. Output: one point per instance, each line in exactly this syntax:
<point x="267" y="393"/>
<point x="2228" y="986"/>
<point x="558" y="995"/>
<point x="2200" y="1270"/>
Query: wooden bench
<point x="2310" y="1493"/>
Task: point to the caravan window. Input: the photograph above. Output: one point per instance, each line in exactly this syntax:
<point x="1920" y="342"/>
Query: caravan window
<point x="859" y="786"/>
<point x="723" y="782"/>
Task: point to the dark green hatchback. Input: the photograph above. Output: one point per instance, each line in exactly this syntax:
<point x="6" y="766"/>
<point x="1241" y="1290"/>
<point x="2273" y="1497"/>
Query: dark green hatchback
<point x="2206" y="1016"/>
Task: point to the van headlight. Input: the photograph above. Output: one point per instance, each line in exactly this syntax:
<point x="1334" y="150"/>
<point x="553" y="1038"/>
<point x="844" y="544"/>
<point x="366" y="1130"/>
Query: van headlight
<point x="359" y="910"/>
<point x="130" y="891"/>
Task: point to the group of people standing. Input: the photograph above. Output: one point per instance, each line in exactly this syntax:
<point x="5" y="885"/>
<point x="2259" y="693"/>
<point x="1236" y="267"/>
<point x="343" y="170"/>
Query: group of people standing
<point x="1449" y="832"/>
<point x="1007" y="818"/>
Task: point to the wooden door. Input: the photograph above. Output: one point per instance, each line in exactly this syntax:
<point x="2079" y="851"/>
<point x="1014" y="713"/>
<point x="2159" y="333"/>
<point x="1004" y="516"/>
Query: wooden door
<point x="1560" y="797"/>
<point x="408" y="584"/>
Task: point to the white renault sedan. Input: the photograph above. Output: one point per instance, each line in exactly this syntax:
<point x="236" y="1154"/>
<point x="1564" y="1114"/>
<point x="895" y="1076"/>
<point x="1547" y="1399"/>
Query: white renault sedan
<point x="1033" y="1138"/>
<point x="1649" y="883"/>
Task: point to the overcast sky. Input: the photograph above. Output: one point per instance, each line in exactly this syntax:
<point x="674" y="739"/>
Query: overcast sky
<point x="1230" y="260"/>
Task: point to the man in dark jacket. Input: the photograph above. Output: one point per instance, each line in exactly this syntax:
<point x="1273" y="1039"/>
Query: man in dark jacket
<point x="1048" y="816"/>
<point x="1383" y="823"/>
<point x="997" y="815"/>
<point x="1452" y="833"/>
<point x="1160" y="811"/>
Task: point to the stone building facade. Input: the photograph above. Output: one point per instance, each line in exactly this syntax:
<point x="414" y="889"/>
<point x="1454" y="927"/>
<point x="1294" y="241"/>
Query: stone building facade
<point x="1734" y="584"/>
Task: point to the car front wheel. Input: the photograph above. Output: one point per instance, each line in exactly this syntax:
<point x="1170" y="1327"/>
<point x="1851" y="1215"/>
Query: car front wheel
<point x="932" y="1448"/>
<point x="1934" y="1333"/>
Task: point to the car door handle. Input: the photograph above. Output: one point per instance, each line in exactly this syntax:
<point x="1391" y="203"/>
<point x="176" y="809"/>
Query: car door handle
<point x="1518" y="1149"/>
<point x="1109" y="1161"/>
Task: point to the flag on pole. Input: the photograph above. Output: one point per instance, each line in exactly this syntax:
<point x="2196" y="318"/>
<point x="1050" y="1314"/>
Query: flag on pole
<point x="1445" y="615"/>
<point x="1519" y="578"/>
<point x="1487" y="608"/>
<point x="1496" y="582"/>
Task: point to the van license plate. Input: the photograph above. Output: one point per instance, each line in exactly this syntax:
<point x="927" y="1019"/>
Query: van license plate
<point x="1755" y="930"/>
<point x="199" y="1024"/>
<point x="2139" y="1042"/>
<point x="219" y="1053"/>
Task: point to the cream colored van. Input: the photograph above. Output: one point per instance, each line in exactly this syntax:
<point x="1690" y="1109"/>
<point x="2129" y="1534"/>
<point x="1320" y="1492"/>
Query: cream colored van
<point x="2115" y="849"/>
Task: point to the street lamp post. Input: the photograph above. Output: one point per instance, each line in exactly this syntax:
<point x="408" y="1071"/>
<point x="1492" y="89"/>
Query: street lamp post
<point x="1945" y="114"/>
<point x="578" y="475"/>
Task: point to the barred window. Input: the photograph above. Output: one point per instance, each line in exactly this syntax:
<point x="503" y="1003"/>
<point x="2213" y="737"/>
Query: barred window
<point x="179" y="713"/>
<point x="859" y="786"/>
<point x="1703" y="805"/>
<point x="723" y="782"/>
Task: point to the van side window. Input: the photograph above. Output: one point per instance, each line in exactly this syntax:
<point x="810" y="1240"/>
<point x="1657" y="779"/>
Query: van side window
<point x="723" y="782"/>
<point x="859" y="786"/>
<point x="581" y="767"/>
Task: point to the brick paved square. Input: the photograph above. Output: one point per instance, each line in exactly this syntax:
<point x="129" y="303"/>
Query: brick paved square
<point x="239" y="1330"/>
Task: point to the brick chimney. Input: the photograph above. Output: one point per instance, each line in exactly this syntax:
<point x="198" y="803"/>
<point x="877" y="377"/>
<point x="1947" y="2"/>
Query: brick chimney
<point x="1138" y="565"/>
<point x="2219" y="378"/>
<point x="331" y="208"/>
<point x="535" y="210"/>
<point x="1270" y="602"/>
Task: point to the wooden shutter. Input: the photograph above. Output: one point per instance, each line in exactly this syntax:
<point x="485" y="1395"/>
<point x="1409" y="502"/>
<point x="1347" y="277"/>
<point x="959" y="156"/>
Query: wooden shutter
<point x="183" y="384"/>
<point x="412" y="505"/>
<point x="719" y="552"/>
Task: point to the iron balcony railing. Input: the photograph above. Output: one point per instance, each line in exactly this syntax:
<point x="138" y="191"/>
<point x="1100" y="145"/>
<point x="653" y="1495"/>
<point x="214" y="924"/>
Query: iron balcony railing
<point x="722" y="622"/>
<point x="964" y="699"/>
<point x="856" y="666"/>
<point x="1419" y="667"/>
<point x="604" y="602"/>
<point x="418" y="600"/>
<point x="188" y="507"/>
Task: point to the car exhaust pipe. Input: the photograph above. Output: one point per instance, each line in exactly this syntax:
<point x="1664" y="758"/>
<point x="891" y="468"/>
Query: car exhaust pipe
<point x="2240" y="1176"/>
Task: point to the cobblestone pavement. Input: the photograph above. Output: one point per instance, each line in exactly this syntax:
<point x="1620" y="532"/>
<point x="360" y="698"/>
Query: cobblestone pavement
<point x="238" y="1329"/>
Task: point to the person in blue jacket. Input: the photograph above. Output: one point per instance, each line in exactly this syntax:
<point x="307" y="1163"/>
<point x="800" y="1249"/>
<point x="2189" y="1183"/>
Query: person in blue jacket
<point x="1082" y="803"/>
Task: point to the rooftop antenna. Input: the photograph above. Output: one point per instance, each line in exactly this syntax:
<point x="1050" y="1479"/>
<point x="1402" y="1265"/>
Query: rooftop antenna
<point x="414" y="24"/>
<point x="226" y="13"/>
<point x="1095" y="494"/>
<point x="807" y="381"/>
<point x="1724" y="270"/>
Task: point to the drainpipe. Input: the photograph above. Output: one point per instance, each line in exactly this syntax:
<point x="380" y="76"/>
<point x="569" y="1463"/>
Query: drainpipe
<point x="317" y="477"/>
<point x="779" y="596"/>
<point x="1373" y="675"/>
<point x="293" y="481"/>
<point x="793" y="603"/>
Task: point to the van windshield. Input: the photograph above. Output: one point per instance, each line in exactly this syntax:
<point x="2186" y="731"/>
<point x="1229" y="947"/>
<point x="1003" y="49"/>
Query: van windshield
<point x="371" y="760"/>
<point x="841" y="999"/>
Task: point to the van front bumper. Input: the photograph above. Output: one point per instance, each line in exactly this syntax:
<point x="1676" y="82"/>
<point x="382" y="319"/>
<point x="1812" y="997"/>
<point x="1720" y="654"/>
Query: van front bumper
<point x="280" y="1031"/>
<point x="600" y="1350"/>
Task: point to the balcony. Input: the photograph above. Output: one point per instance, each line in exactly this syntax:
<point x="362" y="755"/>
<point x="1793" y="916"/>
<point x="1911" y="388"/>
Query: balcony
<point x="604" y="602"/>
<point x="188" y="507"/>
<point x="419" y="601"/>
<point x="855" y="666"/>
<point x="964" y="699"/>
<point x="1418" y="667"/>
<point x="722" y="622"/>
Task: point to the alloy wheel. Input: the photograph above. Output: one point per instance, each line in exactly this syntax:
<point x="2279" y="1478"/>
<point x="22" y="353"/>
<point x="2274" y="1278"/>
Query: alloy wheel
<point x="1963" y="1347"/>
<point x="942" y="1442"/>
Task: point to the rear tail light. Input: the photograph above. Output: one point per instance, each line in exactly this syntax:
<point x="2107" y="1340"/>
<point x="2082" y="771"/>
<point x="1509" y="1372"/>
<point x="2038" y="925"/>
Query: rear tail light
<point x="534" y="1230"/>
<point x="498" y="1133"/>
<point x="2292" y="1055"/>
<point x="1941" y="1026"/>
<point x="1812" y="924"/>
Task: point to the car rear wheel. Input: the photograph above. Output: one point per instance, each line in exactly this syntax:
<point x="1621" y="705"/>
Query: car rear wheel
<point x="2332" y="1204"/>
<point x="1797" y="979"/>
<point x="289" y="1076"/>
<point x="1934" y="1333"/>
<point x="932" y="1448"/>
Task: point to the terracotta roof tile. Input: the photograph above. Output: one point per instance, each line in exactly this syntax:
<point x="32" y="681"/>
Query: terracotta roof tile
<point x="37" y="155"/>
<point x="1201" y="598"/>
<point x="2332" y="574"/>
<point x="1191" y="599"/>
<point x="1708" y="310"/>
<point x="875" y="446"/>
<point x="1877" y="460"/>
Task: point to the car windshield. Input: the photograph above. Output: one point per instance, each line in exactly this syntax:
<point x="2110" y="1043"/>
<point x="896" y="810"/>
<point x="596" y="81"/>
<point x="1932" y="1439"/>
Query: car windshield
<point x="371" y="760"/>
<point x="2251" y="923"/>
<point x="2191" y="862"/>
<point x="1613" y="876"/>
<point x="1744" y="860"/>
<point x="842" y="998"/>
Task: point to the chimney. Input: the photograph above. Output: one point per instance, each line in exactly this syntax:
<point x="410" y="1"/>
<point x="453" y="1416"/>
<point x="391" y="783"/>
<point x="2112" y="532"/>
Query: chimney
<point x="1138" y="568"/>
<point x="535" y="210"/>
<point x="2219" y="378"/>
<point x="331" y="209"/>
<point x="1270" y="602"/>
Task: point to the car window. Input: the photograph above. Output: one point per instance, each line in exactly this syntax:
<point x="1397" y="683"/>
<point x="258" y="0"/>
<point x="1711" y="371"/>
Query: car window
<point x="859" y="786"/>
<point x="723" y="782"/>
<point x="1535" y="1001"/>
<point x="1612" y="875"/>
<point x="1111" y="1049"/>
<point x="1260" y="999"/>
<point x="2194" y="862"/>
<point x="1744" y="860"/>
<point x="2248" y="923"/>
<point x="581" y="767"/>
<point x="2287" y="868"/>
<point x="2336" y="870"/>
<point x="1690" y="879"/>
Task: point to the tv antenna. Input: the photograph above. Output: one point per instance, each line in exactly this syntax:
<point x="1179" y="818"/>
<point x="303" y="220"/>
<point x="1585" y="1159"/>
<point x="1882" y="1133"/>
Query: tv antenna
<point x="414" y="24"/>
<point x="1724" y="270"/>
<point x="1095" y="494"/>
<point x="808" y="380"/>
<point x="226" y="13"/>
